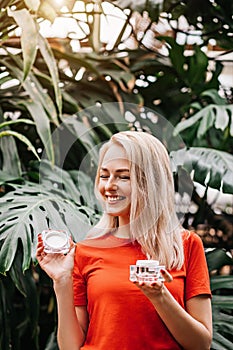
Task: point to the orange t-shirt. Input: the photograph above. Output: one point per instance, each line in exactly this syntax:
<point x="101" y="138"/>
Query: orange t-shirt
<point x="121" y="317"/>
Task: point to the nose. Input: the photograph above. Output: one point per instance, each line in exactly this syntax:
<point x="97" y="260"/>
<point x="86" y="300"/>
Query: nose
<point x="111" y="184"/>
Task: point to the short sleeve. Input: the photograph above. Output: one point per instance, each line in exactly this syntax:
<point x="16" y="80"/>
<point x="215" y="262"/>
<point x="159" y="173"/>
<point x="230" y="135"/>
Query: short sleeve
<point x="79" y="283"/>
<point x="197" y="275"/>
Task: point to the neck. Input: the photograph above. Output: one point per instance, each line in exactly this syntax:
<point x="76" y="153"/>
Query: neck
<point x="122" y="232"/>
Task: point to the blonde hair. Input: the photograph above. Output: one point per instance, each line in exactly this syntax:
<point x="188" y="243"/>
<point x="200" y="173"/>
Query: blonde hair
<point x="153" y="220"/>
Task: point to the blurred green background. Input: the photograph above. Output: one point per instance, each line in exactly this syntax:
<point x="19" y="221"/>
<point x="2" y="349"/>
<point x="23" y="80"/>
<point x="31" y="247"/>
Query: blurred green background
<point x="72" y="73"/>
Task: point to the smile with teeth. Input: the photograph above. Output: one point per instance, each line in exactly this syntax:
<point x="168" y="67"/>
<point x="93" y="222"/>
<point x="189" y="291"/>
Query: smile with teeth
<point x="114" y="199"/>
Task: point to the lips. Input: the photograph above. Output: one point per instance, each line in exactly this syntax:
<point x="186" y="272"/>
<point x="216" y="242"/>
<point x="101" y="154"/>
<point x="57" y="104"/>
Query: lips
<point x="114" y="199"/>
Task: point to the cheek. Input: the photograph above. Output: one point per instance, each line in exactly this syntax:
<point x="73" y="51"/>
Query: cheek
<point x="100" y="188"/>
<point x="127" y="190"/>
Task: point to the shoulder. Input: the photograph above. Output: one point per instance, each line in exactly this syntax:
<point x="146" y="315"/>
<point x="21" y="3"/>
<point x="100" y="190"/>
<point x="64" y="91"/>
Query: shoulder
<point x="195" y="265"/>
<point x="192" y="243"/>
<point x="194" y="252"/>
<point x="84" y="257"/>
<point x="191" y="237"/>
<point x="83" y="252"/>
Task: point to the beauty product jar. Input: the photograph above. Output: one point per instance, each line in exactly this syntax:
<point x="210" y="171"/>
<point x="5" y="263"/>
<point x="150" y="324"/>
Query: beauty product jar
<point x="56" y="241"/>
<point x="147" y="271"/>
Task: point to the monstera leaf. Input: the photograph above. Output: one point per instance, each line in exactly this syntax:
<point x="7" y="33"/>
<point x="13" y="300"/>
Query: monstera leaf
<point x="208" y="117"/>
<point x="211" y="167"/>
<point x="222" y="321"/>
<point x="216" y="258"/>
<point x="222" y="300"/>
<point x="27" y="210"/>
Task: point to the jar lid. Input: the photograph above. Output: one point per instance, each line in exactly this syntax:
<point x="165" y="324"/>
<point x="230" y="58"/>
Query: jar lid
<point x="147" y="263"/>
<point x="56" y="239"/>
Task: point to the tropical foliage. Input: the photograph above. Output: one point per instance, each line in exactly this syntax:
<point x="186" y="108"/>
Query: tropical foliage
<point x="58" y="104"/>
<point x="222" y="287"/>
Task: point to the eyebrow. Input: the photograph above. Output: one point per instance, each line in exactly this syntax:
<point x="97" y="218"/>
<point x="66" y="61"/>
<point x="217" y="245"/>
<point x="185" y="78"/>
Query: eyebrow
<point x="117" y="171"/>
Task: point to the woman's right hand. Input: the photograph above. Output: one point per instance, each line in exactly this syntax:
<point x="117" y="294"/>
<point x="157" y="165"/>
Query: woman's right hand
<point x="57" y="266"/>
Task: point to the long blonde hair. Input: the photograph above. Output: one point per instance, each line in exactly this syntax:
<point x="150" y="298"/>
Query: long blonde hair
<point x="153" y="220"/>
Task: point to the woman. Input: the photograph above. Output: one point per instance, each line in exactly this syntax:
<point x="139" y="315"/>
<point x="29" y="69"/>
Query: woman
<point x="98" y="306"/>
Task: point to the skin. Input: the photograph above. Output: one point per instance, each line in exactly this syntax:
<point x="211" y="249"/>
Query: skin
<point x="115" y="188"/>
<point x="192" y="328"/>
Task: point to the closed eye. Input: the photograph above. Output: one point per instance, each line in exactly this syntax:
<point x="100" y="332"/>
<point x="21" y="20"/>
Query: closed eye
<point x="126" y="177"/>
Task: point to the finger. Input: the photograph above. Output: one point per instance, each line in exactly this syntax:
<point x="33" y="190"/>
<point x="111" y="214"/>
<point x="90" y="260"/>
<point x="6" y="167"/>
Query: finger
<point x="72" y="249"/>
<point x="39" y="237"/>
<point x="40" y="255"/>
<point x="39" y="240"/>
<point x="166" y="275"/>
<point x="40" y="249"/>
<point x="40" y="244"/>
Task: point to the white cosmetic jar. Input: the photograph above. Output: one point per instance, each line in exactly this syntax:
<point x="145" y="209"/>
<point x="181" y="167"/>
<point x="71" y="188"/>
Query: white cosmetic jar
<point x="56" y="241"/>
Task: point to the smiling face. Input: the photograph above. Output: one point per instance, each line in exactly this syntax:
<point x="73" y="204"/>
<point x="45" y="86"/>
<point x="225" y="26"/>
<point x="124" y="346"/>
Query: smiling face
<point x="114" y="183"/>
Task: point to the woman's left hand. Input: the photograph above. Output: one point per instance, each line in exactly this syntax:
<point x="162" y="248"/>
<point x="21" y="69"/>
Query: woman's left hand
<point x="155" y="289"/>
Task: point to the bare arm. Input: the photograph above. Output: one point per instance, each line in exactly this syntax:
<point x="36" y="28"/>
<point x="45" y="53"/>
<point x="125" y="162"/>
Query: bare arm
<point x="72" y="322"/>
<point x="192" y="328"/>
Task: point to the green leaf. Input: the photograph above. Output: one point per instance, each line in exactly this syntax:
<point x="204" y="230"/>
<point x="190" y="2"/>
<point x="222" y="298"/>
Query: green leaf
<point x="221" y="343"/>
<point x="176" y="54"/>
<point x="75" y="186"/>
<point x="52" y="66"/>
<point x="54" y="177"/>
<point x="11" y="162"/>
<point x="79" y="60"/>
<point x="86" y="188"/>
<point x="231" y="126"/>
<point x="211" y="167"/>
<point x="29" y="37"/>
<point x="217" y="258"/>
<point x="81" y="132"/>
<point x="222" y="329"/>
<point x="25" y="283"/>
<point x="42" y="125"/>
<point x="12" y="122"/>
<point x="6" y="176"/>
<point x="52" y="342"/>
<point x="28" y="210"/>
<point x="222" y="117"/>
<point x="222" y="282"/>
<point x="207" y="121"/>
<point x="33" y="88"/>
<point x="207" y="117"/>
<point x="21" y="138"/>
<point x="200" y="60"/>
<point x="187" y="123"/>
<point x="223" y="301"/>
<point x="214" y="95"/>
